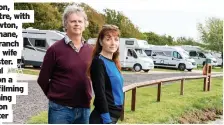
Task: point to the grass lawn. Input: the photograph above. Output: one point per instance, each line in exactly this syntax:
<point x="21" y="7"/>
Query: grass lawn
<point x="214" y="69"/>
<point x="31" y="72"/>
<point x="217" y="69"/>
<point x="172" y="105"/>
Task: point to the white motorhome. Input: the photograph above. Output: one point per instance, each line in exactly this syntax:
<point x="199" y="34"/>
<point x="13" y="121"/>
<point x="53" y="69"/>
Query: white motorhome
<point x="92" y="41"/>
<point x="132" y="54"/>
<point x="173" y="57"/>
<point x="35" y="44"/>
<point x="218" y="57"/>
<point x="200" y="55"/>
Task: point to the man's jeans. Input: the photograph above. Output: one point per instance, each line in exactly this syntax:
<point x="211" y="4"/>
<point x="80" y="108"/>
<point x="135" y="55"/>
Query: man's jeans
<point x="58" y="114"/>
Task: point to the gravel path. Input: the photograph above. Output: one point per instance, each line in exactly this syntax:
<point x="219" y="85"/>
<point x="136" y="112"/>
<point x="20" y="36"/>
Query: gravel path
<point x="134" y="78"/>
<point x="36" y="102"/>
<point x="217" y="121"/>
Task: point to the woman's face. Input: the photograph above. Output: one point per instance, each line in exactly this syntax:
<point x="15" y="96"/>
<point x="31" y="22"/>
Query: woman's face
<point x="110" y="43"/>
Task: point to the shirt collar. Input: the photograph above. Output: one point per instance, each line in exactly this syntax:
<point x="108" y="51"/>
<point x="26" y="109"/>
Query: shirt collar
<point x="68" y="40"/>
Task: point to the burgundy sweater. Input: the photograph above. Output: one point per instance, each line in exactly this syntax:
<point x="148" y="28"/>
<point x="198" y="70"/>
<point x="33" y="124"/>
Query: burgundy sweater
<point x="63" y="76"/>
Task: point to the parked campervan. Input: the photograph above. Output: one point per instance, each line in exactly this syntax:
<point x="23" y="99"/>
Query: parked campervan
<point x="132" y="54"/>
<point x="173" y="57"/>
<point x="92" y="41"/>
<point x="200" y="55"/>
<point x="218" y="57"/>
<point x="35" y="44"/>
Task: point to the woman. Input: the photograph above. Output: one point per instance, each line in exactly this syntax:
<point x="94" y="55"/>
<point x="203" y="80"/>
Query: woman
<point x="106" y="77"/>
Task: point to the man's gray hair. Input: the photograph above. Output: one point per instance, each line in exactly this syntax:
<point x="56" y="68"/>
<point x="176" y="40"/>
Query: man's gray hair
<point x="70" y="9"/>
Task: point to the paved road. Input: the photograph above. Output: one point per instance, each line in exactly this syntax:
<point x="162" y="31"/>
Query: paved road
<point x="36" y="102"/>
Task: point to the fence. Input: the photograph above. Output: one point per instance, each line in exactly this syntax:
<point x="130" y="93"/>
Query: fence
<point x="159" y="82"/>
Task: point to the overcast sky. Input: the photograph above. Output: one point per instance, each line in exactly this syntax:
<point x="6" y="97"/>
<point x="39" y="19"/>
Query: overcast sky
<point x="172" y="17"/>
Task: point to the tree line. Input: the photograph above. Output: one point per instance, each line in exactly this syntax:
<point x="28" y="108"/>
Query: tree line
<point x="48" y="16"/>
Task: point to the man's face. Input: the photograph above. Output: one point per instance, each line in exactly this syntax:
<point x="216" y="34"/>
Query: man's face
<point x="75" y="24"/>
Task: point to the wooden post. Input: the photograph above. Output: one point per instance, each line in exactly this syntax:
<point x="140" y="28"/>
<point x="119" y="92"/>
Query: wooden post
<point x="159" y="92"/>
<point x="205" y="72"/>
<point x="122" y="112"/>
<point x="205" y="84"/>
<point x="209" y="77"/>
<point x="182" y="87"/>
<point x="209" y="82"/>
<point x="209" y="69"/>
<point x="133" y="99"/>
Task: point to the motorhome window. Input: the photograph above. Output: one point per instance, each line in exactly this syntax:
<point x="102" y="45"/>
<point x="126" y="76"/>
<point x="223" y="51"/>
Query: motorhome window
<point x="168" y="53"/>
<point x="134" y="54"/>
<point x="26" y="42"/>
<point x="176" y="55"/>
<point x="153" y="54"/>
<point x="40" y="43"/>
<point x="130" y="52"/>
<point x="193" y="53"/>
<point x="148" y="52"/>
<point x="179" y="56"/>
<point x="201" y="55"/>
<point x="139" y="51"/>
<point x="160" y="53"/>
<point x="128" y="42"/>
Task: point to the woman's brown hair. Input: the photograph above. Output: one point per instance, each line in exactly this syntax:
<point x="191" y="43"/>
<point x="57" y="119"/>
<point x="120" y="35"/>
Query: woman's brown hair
<point x="106" y="30"/>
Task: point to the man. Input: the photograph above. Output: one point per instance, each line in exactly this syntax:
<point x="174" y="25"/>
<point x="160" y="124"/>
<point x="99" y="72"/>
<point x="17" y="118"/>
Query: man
<point x="63" y="76"/>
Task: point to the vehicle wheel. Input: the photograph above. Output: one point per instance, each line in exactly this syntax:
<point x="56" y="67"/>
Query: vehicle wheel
<point x="181" y="67"/>
<point x="137" y="68"/>
<point x="189" y="70"/>
<point x="146" y="70"/>
<point x="36" y="67"/>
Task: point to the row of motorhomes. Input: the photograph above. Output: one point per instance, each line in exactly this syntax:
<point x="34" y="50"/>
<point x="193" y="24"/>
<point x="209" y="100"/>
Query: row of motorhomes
<point x="134" y="53"/>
